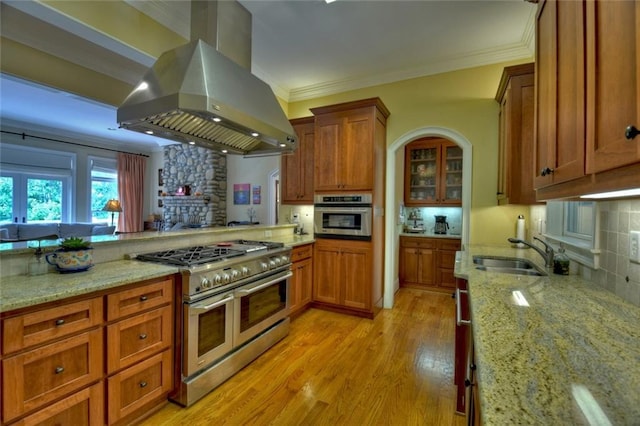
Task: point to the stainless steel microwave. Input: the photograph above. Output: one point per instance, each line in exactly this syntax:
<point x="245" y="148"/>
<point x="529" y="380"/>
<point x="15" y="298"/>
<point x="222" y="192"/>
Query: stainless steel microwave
<point x="343" y="216"/>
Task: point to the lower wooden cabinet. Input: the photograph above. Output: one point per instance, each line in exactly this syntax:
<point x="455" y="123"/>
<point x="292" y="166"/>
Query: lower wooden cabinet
<point x="428" y="262"/>
<point x="302" y="279"/>
<point x="39" y="376"/>
<point x="135" y="387"/>
<point x="83" y="408"/>
<point x="343" y="275"/>
<point x="57" y="361"/>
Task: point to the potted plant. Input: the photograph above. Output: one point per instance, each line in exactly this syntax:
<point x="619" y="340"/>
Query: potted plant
<point x="74" y="254"/>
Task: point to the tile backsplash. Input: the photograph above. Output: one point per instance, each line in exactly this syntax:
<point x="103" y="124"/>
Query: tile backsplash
<point x="617" y="273"/>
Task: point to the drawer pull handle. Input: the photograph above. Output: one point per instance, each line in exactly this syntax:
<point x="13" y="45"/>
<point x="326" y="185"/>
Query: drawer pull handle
<point x="59" y="370"/>
<point x="631" y="132"/>
<point x="143" y="336"/>
<point x="59" y="322"/>
<point x="143" y="298"/>
<point x="546" y="171"/>
<point x="143" y="384"/>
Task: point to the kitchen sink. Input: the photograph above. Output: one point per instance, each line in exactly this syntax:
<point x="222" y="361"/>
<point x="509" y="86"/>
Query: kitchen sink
<point x="507" y="265"/>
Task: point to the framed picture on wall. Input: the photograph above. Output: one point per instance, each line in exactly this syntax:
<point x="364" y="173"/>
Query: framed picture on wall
<point x="257" y="197"/>
<point x="241" y="193"/>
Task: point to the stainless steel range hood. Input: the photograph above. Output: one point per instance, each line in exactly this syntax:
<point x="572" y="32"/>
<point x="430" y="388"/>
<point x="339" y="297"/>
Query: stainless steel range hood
<point x="195" y="94"/>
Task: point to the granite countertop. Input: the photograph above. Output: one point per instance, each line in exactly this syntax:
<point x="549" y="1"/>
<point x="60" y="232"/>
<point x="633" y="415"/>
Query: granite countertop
<point x="20" y="291"/>
<point x="429" y="235"/>
<point x="571" y="356"/>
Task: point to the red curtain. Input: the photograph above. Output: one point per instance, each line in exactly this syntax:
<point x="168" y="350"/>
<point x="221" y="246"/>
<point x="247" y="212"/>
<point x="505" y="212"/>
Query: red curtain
<point x="131" y="170"/>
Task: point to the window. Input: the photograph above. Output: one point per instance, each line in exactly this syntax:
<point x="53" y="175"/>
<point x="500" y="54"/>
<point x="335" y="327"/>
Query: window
<point x="104" y="187"/>
<point x="30" y="197"/>
<point x="575" y="225"/>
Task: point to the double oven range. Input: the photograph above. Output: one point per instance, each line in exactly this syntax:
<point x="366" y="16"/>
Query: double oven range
<point x="235" y="305"/>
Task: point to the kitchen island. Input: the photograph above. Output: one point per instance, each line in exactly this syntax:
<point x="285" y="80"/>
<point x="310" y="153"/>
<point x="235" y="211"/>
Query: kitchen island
<point x="552" y="349"/>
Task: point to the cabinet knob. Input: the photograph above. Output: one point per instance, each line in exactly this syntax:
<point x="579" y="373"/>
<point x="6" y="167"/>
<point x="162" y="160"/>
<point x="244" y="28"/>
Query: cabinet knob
<point x="143" y="336"/>
<point x="143" y="384"/>
<point x="143" y="298"/>
<point x="631" y="132"/>
<point x="546" y="171"/>
<point x="59" y="370"/>
<point x="59" y="322"/>
<point x="468" y="383"/>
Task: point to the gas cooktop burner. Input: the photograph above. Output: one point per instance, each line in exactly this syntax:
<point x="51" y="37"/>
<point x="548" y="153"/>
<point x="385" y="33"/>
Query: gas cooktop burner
<point x="191" y="256"/>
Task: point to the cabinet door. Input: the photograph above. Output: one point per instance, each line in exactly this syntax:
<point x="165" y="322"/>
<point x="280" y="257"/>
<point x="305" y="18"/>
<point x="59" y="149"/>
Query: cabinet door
<point x="356" y="277"/>
<point x="297" y="168"/>
<point x="613" y="83"/>
<point x="427" y="267"/>
<point x="305" y="274"/>
<point x="560" y="82"/>
<point x="135" y="300"/>
<point x="326" y="274"/>
<point x="451" y="175"/>
<point x="357" y="153"/>
<point x="409" y="258"/>
<point x="327" y="154"/>
<point x="421" y="171"/>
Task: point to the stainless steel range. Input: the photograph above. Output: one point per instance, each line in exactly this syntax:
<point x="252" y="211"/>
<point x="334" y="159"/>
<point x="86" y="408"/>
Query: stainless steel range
<point x="235" y="305"/>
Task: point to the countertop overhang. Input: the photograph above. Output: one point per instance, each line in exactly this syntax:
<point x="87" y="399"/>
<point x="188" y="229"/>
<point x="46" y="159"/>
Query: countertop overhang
<point x="572" y="356"/>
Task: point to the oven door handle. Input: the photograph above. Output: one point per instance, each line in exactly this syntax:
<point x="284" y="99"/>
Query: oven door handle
<point x="206" y="308"/>
<point x="289" y="274"/>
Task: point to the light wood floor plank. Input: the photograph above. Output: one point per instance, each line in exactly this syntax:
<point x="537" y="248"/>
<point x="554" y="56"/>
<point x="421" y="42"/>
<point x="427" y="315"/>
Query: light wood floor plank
<point x="334" y="369"/>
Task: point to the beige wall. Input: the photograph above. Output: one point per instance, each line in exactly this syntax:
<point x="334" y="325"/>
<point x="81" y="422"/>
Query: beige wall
<point x="462" y="101"/>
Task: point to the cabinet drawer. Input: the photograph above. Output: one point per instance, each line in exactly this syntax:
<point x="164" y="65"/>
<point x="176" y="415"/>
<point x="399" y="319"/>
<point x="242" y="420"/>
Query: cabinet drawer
<point x="418" y="242"/>
<point x="39" y="327"/>
<point x="134" y="387"/>
<point x="137" y="337"/>
<point x="449" y="245"/>
<point x="41" y="375"/>
<point x="302" y="252"/>
<point x="83" y="408"/>
<point x="127" y="302"/>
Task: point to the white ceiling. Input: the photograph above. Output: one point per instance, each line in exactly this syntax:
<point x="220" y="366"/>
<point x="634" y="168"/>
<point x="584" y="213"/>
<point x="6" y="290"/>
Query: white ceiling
<point x="302" y="48"/>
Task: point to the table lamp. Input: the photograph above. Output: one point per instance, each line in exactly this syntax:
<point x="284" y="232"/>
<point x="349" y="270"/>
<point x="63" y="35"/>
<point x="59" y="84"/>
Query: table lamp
<point x="112" y="206"/>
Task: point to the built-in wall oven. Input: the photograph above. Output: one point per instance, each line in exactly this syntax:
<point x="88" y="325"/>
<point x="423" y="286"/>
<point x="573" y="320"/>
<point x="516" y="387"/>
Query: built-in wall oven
<point x="235" y="306"/>
<point x="346" y="216"/>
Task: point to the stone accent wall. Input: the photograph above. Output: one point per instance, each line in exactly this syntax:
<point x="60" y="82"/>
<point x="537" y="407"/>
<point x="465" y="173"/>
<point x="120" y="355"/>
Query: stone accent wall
<point x="206" y="172"/>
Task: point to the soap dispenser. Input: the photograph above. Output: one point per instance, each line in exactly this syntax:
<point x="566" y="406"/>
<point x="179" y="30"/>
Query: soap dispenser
<point x="561" y="262"/>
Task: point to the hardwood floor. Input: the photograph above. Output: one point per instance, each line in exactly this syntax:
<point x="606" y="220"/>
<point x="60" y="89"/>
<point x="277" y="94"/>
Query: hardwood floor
<point x="334" y="369"/>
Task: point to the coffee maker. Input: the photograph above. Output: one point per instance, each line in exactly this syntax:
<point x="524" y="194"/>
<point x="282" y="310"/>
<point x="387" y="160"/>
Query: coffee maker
<point x="441" y="225"/>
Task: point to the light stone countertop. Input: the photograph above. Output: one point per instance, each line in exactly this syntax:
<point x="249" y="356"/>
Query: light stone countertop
<point x="429" y="235"/>
<point x="571" y="357"/>
<point x="20" y="291"/>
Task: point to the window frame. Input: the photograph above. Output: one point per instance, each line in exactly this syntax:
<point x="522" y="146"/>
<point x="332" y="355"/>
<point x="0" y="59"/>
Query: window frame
<point x="105" y="164"/>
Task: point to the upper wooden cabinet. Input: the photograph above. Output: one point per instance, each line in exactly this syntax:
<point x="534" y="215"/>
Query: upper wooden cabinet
<point x="516" y="120"/>
<point x="433" y="173"/>
<point x="587" y="91"/>
<point x="349" y="146"/>
<point x="297" y="168"/>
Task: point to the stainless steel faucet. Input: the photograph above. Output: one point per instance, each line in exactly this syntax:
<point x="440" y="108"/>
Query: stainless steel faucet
<point x="547" y="254"/>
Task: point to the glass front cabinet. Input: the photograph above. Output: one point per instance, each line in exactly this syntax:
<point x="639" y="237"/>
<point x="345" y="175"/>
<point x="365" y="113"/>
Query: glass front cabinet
<point x="433" y="173"/>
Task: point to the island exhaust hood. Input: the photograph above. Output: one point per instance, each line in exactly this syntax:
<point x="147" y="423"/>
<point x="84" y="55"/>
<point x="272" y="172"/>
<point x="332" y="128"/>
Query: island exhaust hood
<point x="196" y="95"/>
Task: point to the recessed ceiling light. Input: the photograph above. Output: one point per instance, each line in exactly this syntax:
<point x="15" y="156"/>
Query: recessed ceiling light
<point x="149" y="132"/>
<point x="217" y="119"/>
<point x="224" y="151"/>
<point x="255" y="134"/>
<point x="282" y="145"/>
<point x="192" y="143"/>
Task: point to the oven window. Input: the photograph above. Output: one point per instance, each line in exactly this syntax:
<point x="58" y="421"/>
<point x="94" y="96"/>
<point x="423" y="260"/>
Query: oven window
<point x="211" y="329"/>
<point x="342" y="221"/>
<point x="260" y="305"/>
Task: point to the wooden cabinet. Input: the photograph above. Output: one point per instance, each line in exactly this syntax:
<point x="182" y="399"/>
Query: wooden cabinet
<point x="428" y="262"/>
<point x="139" y="348"/>
<point x="302" y="279"/>
<point x="516" y="123"/>
<point x="587" y="90"/>
<point x="297" y="168"/>
<point x="417" y="262"/>
<point x="349" y="149"/>
<point x="343" y="273"/>
<point x="48" y="354"/>
<point x="433" y="173"/>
